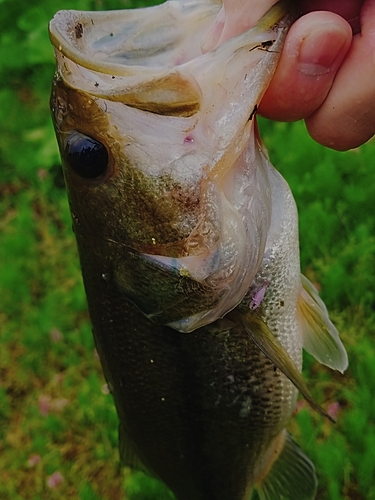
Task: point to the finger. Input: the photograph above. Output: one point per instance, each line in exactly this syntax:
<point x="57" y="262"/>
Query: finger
<point x="314" y="49"/>
<point x="348" y="9"/>
<point x="347" y="117"/>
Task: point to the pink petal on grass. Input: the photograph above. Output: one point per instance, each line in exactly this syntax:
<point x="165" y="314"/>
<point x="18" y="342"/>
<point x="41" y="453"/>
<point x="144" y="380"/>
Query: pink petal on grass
<point x="42" y="173"/>
<point x="55" y="335"/>
<point x="334" y="409"/>
<point x="44" y="403"/>
<point x="47" y="404"/>
<point x="33" y="460"/>
<point x="301" y="403"/>
<point x="59" y="404"/>
<point x="55" y="480"/>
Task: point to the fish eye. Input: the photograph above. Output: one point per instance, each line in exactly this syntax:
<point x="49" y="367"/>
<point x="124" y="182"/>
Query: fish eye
<point x="86" y="156"/>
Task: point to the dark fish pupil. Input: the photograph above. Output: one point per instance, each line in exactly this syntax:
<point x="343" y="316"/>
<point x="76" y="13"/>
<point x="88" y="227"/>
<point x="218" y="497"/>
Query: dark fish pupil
<point x="86" y="156"/>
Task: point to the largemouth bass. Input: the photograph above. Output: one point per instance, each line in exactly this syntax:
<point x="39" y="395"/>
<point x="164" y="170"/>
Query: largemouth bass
<point x="188" y="243"/>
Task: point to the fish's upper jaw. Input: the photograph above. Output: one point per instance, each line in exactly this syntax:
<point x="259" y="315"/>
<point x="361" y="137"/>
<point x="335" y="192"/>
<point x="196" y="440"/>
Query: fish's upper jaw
<point x="125" y="42"/>
<point x="152" y="58"/>
<point x="133" y="56"/>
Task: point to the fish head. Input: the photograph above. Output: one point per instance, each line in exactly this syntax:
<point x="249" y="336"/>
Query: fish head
<point x="164" y="168"/>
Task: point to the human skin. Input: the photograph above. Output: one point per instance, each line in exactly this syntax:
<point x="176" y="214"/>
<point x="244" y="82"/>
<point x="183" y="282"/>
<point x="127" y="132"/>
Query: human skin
<point x="326" y="73"/>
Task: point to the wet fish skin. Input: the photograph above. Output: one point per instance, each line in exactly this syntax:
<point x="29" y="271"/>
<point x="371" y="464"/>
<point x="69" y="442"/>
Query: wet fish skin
<point x="199" y="438"/>
<point x="191" y="416"/>
<point x="203" y="411"/>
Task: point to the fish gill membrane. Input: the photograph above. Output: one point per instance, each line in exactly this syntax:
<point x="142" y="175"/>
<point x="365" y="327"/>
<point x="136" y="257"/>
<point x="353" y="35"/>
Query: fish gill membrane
<point x="188" y="242"/>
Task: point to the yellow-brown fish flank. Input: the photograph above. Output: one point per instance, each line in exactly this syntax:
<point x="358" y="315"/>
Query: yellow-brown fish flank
<point x="155" y="206"/>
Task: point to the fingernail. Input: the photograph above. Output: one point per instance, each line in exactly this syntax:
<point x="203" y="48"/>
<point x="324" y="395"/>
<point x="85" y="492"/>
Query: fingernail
<point x="319" y="52"/>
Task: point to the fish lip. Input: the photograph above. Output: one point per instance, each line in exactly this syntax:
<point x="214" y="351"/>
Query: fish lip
<point x="67" y="29"/>
<point x="61" y="27"/>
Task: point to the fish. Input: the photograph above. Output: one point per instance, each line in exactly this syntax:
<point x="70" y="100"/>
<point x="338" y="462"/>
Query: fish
<point x="188" y="243"/>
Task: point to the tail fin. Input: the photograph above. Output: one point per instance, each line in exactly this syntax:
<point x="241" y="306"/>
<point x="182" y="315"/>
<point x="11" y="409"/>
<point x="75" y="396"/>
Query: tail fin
<point x="291" y="477"/>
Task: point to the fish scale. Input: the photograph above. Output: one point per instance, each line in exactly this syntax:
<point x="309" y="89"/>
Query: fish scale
<point x="173" y="412"/>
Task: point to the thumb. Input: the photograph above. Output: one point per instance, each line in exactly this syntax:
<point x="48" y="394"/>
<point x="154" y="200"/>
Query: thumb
<point x="314" y="49"/>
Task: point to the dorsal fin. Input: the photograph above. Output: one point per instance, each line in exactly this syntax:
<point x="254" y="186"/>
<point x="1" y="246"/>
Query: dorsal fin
<point x="320" y="337"/>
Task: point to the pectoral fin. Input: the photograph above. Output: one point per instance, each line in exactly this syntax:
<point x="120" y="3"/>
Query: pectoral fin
<point x="271" y="347"/>
<point x="292" y="474"/>
<point x="320" y="338"/>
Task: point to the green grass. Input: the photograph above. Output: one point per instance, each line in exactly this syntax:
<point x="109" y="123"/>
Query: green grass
<point x="56" y="416"/>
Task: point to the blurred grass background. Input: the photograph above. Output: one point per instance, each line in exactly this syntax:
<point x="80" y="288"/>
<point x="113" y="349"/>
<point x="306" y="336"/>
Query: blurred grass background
<point x="58" y="427"/>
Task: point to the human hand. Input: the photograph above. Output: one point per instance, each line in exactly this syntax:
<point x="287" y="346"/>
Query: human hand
<point x="326" y="74"/>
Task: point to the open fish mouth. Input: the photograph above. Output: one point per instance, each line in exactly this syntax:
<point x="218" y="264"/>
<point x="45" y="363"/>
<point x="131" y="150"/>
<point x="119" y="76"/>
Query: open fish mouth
<point x="181" y="120"/>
